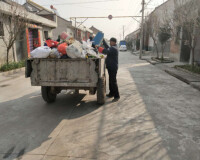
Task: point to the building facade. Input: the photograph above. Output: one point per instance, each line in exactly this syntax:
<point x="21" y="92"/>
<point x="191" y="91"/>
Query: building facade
<point x="32" y="35"/>
<point x="176" y="47"/>
<point x="94" y="30"/>
<point x="133" y="40"/>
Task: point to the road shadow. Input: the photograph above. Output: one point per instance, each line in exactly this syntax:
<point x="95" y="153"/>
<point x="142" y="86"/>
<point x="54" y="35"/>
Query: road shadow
<point x="164" y="127"/>
<point x="27" y="122"/>
<point x="165" y="100"/>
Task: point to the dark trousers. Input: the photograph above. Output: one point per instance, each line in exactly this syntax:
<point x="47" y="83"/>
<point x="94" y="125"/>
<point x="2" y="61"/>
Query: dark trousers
<point x="113" y="83"/>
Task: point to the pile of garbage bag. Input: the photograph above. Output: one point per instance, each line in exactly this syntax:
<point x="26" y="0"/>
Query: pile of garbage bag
<point x="68" y="47"/>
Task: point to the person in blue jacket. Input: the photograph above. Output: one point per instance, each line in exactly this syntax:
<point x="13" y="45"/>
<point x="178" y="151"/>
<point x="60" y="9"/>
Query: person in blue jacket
<point x="112" y="66"/>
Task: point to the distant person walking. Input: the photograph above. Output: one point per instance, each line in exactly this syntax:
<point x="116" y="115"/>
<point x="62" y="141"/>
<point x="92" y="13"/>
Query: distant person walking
<point x="112" y="66"/>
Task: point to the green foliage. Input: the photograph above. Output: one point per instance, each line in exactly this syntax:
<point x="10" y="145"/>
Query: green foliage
<point x="164" y="34"/>
<point x="194" y="69"/>
<point x="11" y="66"/>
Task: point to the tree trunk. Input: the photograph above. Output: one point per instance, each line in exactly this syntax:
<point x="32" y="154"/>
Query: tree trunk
<point x="7" y="58"/>
<point x="162" y="56"/>
<point x="192" y="56"/>
<point x="13" y="54"/>
<point x="156" y="48"/>
<point x="157" y="51"/>
<point x="193" y="45"/>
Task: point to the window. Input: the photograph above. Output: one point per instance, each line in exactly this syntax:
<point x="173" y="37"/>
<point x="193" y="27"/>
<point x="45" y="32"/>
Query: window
<point x="46" y="34"/>
<point x="1" y="29"/>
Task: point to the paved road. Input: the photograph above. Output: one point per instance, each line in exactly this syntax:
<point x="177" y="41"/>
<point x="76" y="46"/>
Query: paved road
<point x="157" y="118"/>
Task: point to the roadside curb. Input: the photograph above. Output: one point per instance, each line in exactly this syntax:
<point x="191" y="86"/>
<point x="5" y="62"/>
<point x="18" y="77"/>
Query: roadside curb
<point x="150" y="61"/>
<point x="177" y="76"/>
<point x="190" y="79"/>
<point x="184" y="70"/>
<point x="195" y="85"/>
<point x="12" y="72"/>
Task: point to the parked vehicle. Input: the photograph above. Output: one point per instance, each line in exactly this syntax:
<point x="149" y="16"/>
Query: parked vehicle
<point x="123" y="48"/>
<point x="122" y="43"/>
<point x="55" y="75"/>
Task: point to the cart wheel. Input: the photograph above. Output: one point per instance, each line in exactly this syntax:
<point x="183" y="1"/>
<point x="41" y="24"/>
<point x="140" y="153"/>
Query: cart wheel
<point x="76" y="92"/>
<point x="47" y="95"/>
<point x="101" y="91"/>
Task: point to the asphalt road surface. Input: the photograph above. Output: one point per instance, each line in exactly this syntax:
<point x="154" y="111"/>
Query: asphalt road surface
<point x="157" y="118"/>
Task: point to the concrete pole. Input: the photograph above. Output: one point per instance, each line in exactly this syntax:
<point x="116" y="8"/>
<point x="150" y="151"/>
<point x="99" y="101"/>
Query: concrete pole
<point x="142" y="30"/>
<point x="123" y="32"/>
<point x="75" y="29"/>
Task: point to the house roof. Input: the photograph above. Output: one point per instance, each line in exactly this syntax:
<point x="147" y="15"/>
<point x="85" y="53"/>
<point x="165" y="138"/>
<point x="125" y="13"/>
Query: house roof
<point x="160" y="6"/>
<point x="133" y="33"/>
<point x="7" y="9"/>
<point x="83" y="28"/>
<point x="42" y="9"/>
<point x="38" y="6"/>
<point x="94" y="29"/>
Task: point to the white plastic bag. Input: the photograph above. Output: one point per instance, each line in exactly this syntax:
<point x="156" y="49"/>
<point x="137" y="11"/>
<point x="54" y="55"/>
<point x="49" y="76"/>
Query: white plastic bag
<point x="87" y="45"/>
<point x="84" y="53"/>
<point x="41" y="52"/>
<point x="92" y="52"/>
<point x="54" y="53"/>
<point x="75" y="50"/>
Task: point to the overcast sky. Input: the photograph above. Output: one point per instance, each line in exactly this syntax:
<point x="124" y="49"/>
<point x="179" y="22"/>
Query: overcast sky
<point x="111" y="28"/>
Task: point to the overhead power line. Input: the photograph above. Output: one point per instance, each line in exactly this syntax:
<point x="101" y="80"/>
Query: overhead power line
<point x="103" y="9"/>
<point x="86" y="2"/>
<point x="148" y="2"/>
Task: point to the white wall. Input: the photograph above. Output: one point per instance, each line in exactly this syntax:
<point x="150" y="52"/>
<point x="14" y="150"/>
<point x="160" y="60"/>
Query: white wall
<point x="71" y="32"/>
<point x="6" y="8"/>
<point x="151" y="43"/>
<point x="3" y="52"/>
<point x="50" y="33"/>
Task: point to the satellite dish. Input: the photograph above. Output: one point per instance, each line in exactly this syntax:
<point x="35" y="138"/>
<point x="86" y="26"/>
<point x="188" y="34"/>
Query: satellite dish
<point x="110" y="17"/>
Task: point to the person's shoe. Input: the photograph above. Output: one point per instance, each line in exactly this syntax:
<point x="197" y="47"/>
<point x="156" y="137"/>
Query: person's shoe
<point x="109" y="95"/>
<point x="116" y="99"/>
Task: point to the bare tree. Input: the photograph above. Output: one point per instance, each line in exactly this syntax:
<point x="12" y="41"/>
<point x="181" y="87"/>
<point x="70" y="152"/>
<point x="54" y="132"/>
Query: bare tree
<point x="14" y="22"/>
<point x="153" y="28"/>
<point x="164" y="35"/>
<point x="186" y="17"/>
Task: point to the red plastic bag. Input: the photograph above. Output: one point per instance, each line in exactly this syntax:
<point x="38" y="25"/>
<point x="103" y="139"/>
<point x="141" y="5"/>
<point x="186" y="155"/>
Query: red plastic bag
<point x="62" y="48"/>
<point x="100" y="50"/>
<point x="52" y="44"/>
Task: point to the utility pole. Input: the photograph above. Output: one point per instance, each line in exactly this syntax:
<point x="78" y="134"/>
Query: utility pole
<point x="75" y="30"/>
<point x="142" y="30"/>
<point x="123" y="32"/>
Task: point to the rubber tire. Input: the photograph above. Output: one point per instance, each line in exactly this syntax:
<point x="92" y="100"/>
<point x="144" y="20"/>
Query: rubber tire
<point x="76" y="92"/>
<point x="47" y="95"/>
<point x="101" y="91"/>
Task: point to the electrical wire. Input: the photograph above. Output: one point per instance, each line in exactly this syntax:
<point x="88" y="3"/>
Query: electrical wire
<point x="86" y="2"/>
<point x="148" y="3"/>
<point x="96" y="8"/>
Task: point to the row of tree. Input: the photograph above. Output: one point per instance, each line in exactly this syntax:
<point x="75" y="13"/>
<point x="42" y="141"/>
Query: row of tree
<point x="184" y="18"/>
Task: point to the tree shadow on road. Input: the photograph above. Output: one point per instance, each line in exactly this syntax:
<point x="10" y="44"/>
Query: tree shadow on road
<point x="27" y="122"/>
<point x="151" y="120"/>
<point x="165" y="101"/>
